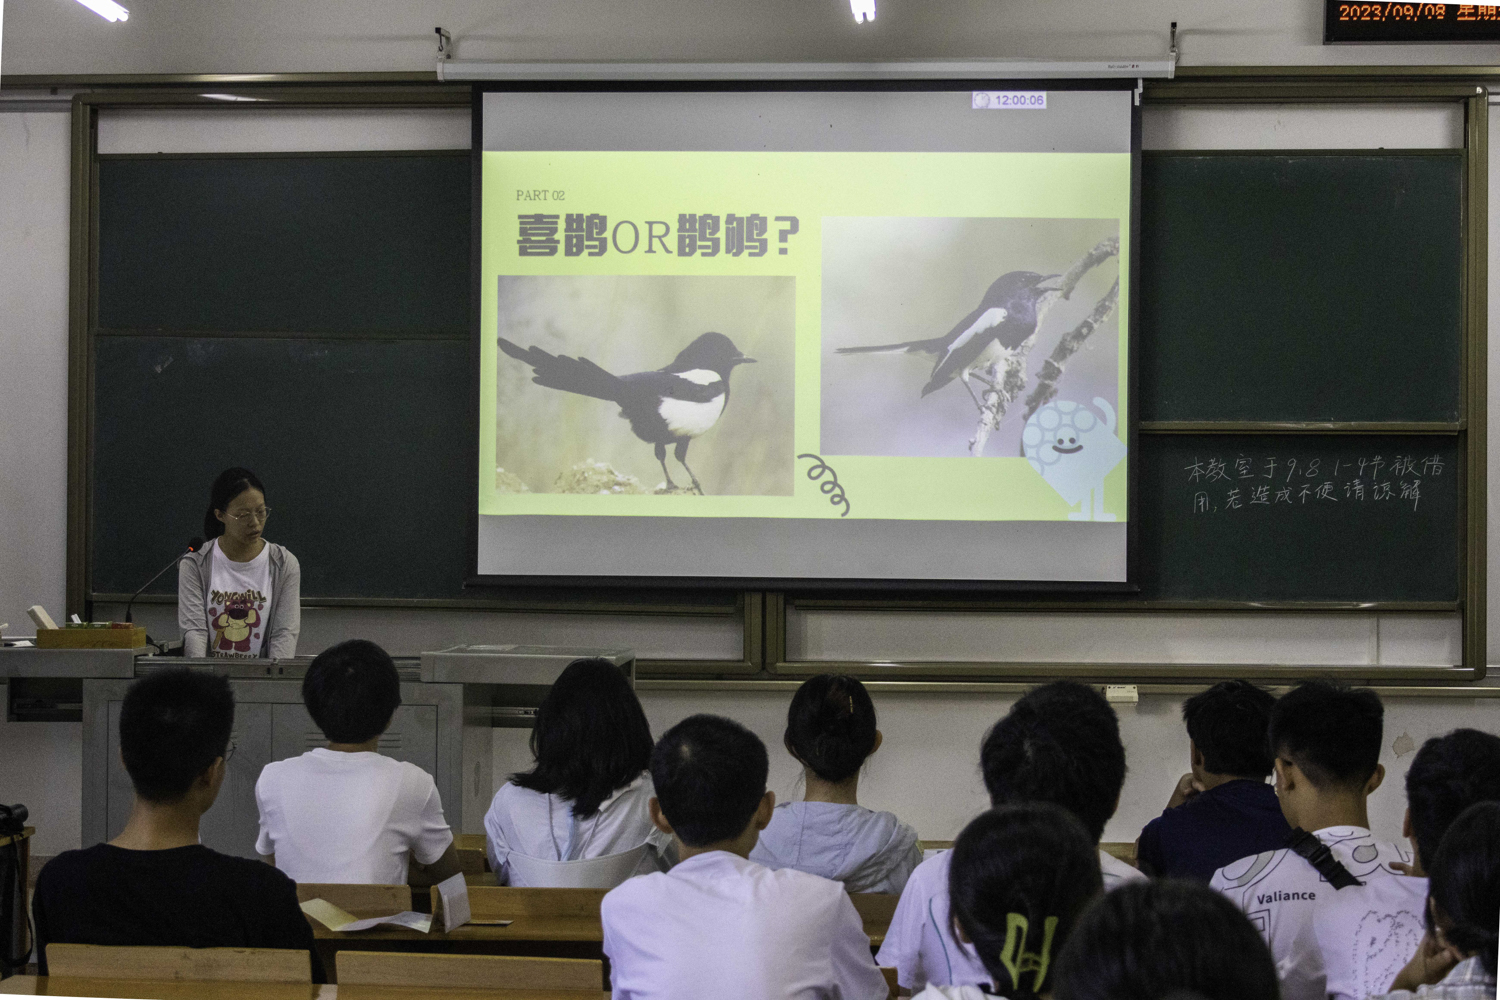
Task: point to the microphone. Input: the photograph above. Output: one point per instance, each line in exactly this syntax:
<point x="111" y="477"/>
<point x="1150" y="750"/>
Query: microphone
<point x="193" y="546"/>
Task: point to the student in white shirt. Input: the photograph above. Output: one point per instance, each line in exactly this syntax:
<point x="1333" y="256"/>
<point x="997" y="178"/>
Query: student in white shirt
<point x="1384" y="918"/>
<point x="347" y="814"/>
<point x="1020" y="877"/>
<point x="718" y="924"/>
<point x="1164" y="939"/>
<point x="1060" y="743"/>
<point x="587" y="795"/>
<point x="1326" y="740"/>
<point x="1457" y="958"/>
<point x="830" y="730"/>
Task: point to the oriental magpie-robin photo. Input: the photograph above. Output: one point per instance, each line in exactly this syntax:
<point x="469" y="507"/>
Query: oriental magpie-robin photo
<point x="921" y="314"/>
<point x="1004" y="319"/>
<point x="669" y="406"/>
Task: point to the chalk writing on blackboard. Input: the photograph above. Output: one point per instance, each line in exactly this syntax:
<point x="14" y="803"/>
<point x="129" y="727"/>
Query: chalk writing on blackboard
<point x="1248" y="481"/>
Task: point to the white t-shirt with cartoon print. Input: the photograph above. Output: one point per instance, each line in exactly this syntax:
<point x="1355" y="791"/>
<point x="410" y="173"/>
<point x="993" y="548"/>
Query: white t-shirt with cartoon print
<point x="239" y="604"/>
<point x="1285" y="897"/>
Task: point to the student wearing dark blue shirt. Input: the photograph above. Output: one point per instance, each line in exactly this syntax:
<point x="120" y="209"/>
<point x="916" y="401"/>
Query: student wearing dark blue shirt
<point x="1222" y="810"/>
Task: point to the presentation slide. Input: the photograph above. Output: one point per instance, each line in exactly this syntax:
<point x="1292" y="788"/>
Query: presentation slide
<point x="865" y="335"/>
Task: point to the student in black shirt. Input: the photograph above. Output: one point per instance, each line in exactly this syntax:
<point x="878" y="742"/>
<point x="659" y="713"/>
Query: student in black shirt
<point x="155" y="884"/>
<point x="1222" y="810"/>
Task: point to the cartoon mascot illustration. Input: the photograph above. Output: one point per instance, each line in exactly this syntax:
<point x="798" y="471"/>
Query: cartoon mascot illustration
<point x="234" y="626"/>
<point x="1073" y="450"/>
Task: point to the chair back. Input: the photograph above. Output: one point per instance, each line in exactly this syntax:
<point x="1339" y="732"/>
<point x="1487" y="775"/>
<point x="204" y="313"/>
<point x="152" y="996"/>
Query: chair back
<point x="245" y="965"/>
<point x="590" y="873"/>
<point x="438" y="970"/>
<point x="359" y="900"/>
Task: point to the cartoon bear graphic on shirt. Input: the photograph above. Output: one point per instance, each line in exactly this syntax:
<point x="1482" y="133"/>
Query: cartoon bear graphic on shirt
<point x="235" y="625"/>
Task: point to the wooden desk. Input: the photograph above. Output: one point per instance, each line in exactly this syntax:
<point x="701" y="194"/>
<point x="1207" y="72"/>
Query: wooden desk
<point x="150" y="989"/>
<point x="472" y="852"/>
<point x="560" y="922"/>
<point x="154" y="989"/>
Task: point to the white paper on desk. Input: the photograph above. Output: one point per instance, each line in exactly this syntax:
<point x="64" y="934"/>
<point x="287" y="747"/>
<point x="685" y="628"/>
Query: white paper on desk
<point x="336" y="919"/>
<point x="454" y="892"/>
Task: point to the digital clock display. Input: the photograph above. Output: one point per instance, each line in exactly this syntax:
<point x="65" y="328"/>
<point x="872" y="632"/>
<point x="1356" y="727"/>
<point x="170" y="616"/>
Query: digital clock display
<point x="1345" y="21"/>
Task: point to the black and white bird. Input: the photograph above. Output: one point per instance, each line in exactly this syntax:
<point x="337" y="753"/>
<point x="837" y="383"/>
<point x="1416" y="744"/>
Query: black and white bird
<point x="1004" y="320"/>
<point x="671" y="405"/>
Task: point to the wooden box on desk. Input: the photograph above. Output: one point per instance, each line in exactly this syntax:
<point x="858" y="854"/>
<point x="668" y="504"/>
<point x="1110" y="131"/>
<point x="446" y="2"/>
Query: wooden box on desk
<point x="91" y="638"/>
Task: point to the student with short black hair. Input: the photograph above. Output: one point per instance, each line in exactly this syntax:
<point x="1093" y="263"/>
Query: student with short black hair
<point x="1021" y="876"/>
<point x="1167" y="938"/>
<point x="1222" y="809"/>
<point x="718" y="923"/>
<point x="588" y="794"/>
<point x="831" y="732"/>
<point x="1457" y="957"/>
<point x="155" y="884"/>
<point x="1060" y="743"/>
<point x="1385" y="916"/>
<point x="1326" y="740"/>
<point x="345" y="813"/>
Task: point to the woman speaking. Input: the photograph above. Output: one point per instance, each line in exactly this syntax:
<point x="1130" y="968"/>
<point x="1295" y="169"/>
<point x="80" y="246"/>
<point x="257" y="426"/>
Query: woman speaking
<point x="239" y="596"/>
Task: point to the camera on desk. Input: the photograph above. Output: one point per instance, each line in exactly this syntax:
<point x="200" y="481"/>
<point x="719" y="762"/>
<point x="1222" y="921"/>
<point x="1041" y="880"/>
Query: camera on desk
<point x="12" y="819"/>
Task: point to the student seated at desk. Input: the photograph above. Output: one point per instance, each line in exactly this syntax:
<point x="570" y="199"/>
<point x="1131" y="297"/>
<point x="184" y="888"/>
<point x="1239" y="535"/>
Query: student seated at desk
<point x="587" y="795"/>
<point x="1326" y="739"/>
<point x="1060" y="743"/>
<point x="830" y="730"/>
<point x="1456" y="959"/>
<point x="1167" y="939"/>
<point x="718" y="924"/>
<point x="1448" y="775"/>
<point x="1222" y="810"/>
<point x="155" y="884"/>
<point x="345" y="813"/>
<point x="1021" y="876"/>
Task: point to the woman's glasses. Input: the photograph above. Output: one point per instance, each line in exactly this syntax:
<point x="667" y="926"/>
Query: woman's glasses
<point x="259" y="514"/>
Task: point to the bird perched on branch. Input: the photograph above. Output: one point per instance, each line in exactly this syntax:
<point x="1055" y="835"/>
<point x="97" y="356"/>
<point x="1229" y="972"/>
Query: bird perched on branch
<point x="1004" y="320"/>
<point x="671" y="405"/>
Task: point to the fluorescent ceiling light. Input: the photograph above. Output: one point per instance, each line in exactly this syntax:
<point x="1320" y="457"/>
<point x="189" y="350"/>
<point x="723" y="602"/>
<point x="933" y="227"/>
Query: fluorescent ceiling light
<point x="864" y="10"/>
<point x="107" y="9"/>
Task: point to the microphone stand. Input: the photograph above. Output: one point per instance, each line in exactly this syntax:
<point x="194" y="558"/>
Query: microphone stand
<point x="175" y="560"/>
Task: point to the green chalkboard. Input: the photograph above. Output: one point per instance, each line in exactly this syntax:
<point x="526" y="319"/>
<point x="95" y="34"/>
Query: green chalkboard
<point x="1299" y="517"/>
<point x="1307" y="287"/>
<point x="309" y="316"/>
<point x="339" y="244"/>
<point x="362" y="447"/>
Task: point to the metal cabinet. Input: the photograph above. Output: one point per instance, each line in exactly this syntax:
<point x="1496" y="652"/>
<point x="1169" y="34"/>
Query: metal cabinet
<point x="270" y="724"/>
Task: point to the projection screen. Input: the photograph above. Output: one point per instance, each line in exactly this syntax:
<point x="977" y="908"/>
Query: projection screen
<point x="805" y="335"/>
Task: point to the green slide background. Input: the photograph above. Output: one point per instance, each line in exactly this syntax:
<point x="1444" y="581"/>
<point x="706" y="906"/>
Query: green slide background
<point x="644" y="186"/>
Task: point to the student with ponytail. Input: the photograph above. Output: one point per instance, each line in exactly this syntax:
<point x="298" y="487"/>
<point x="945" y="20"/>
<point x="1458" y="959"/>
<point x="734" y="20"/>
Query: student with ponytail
<point x="830" y="731"/>
<point x="1020" y="877"/>
<point x="1457" y="958"/>
<point x="239" y="596"/>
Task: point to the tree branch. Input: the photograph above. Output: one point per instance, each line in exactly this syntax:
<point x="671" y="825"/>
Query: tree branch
<point x="1052" y="368"/>
<point x="1008" y="381"/>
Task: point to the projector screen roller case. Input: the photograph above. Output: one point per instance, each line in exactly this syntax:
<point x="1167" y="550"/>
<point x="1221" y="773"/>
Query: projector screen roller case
<point x="864" y="335"/>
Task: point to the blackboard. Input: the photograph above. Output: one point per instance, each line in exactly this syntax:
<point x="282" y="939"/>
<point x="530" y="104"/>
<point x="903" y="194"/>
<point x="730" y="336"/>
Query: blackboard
<point x="309" y="316"/>
<point x="1299" y="517"/>
<point x="347" y="244"/>
<point x="1311" y="287"/>
<point x="362" y="446"/>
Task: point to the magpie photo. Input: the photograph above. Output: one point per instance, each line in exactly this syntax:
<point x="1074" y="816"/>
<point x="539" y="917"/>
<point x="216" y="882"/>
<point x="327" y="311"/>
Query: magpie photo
<point x="669" y="406"/>
<point x="1004" y="319"/>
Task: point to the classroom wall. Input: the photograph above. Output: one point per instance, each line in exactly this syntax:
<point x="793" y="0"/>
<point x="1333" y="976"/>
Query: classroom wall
<point x="190" y="36"/>
<point x="927" y="774"/>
